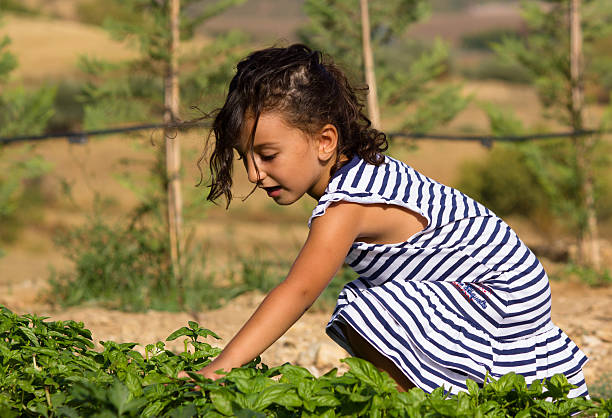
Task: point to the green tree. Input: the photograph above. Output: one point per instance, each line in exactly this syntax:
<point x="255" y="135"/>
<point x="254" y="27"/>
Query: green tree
<point x="21" y="112"/>
<point x="406" y="71"/>
<point x="133" y="90"/>
<point x="545" y="54"/>
<point x="144" y="89"/>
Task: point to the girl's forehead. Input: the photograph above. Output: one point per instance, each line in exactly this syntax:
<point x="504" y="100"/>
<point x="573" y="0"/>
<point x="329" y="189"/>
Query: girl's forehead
<point x="268" y="125"/>
<point x="272" y="129"/>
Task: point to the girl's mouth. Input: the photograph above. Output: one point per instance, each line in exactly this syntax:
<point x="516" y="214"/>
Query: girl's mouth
<point x="273" y="191"/>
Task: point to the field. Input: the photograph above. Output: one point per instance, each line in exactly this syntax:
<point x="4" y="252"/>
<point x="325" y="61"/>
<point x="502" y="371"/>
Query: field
<point x="47" y="49"/>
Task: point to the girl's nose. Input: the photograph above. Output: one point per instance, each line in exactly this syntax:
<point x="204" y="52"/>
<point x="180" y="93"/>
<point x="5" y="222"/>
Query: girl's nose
<point x="253" y="173"/>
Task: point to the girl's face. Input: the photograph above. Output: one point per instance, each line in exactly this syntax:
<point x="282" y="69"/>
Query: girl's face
<point x="289" y="162"/>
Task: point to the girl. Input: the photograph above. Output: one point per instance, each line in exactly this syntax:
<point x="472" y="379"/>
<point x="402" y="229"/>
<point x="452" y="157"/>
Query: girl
<point x="446" y="290"/>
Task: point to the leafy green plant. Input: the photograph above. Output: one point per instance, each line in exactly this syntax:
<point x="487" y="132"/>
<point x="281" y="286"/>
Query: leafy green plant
<point x="50" y="369"/>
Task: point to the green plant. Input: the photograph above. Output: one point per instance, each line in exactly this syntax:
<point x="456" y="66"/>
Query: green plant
<point x="21" y="112"/>
<point x="408" y="74"/>
<point x="503" y="182"/>
<point x="21" y="193"/>
<point x="492" y="68"/>
<point x="482" y="40"/>
<point x="126" y="266"/>
<point x="68" y="109"/>
<point x="16" y="6"/>
<point x="602" y="388"/>
<point x="95" y="13"/>
<point x="563" y="94"/>
<point x="262" y="273"/>
<point x="133" y="90"/>
<point x="327" y="300"/>
<point x="50" y="369"/>
<point x="588" y="275"/>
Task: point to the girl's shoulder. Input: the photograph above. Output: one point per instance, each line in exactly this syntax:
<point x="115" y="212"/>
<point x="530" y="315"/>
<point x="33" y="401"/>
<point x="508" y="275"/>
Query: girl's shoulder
<point x="359" y="176"/>
<point x="361" y="182"/>
<point x="396" y="183"/>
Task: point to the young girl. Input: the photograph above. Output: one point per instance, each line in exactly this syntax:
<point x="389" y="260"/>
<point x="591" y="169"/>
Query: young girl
<point x="446" y="292"/>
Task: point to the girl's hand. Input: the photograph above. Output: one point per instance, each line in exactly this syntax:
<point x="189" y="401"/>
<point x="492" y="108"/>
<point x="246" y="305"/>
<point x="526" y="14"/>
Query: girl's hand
<point x="207" y="371"/>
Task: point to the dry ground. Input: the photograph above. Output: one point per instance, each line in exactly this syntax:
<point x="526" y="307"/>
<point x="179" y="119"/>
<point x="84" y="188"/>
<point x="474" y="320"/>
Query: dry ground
<point x="47" y="49"/>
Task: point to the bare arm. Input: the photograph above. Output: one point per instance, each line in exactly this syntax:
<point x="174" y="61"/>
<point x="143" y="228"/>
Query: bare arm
<point x="328" y="242"/>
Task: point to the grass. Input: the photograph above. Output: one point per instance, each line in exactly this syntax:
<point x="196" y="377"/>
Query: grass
<point x="602" y="388"/>
<point x="584" y="274"/>
<point x="263" y="272"/>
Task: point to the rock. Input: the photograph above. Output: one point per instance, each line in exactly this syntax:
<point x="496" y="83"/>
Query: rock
<point x="308" y="357"/>
<point x="329" y="355"/>
<point x="591" y="340"/>
<point x="604" y="335"/>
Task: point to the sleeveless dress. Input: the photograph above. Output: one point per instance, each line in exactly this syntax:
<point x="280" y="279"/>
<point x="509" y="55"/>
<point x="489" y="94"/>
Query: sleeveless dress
<point x="461" y="299"/>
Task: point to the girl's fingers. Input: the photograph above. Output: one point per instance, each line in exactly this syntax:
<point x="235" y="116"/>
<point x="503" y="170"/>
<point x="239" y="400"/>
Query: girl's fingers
<point x="182" y="375"/>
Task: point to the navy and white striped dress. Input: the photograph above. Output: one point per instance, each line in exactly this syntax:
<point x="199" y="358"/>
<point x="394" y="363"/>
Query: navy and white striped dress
<point x="460" y="299"/>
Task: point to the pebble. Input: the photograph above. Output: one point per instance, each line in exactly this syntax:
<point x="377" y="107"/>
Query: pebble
<point x="308" y="356"/>
<point x="329" y="355"/>
<point x="591" y="340"/>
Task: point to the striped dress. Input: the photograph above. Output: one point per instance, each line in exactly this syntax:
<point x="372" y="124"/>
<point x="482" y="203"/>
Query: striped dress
<point x="461" y="299"/>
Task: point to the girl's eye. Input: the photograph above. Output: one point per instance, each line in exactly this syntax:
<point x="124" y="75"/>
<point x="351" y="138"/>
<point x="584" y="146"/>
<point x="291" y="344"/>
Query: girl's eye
<point x="268" y="157"/>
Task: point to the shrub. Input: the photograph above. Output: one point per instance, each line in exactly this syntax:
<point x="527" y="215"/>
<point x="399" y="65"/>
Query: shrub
<point x="21" y="192"/>
<point x="16" y="6"/>
<point x="491" y="68"/>
<point x="68" y="108"/>
<point x="534" y="179"/>
<point x="587" y="275"/>
<point x="503" y="182"/>
<point x="262" y="273"/>
<point x="482" y="40"/>
<point x="126" y="266"/>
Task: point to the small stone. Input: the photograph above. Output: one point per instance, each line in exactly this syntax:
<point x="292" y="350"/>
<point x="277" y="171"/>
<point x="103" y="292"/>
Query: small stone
<point x="329" y="355"/>
<point x="605" y="335"/>
<point x="591" y="340"/>
<point x="308" y="356"/>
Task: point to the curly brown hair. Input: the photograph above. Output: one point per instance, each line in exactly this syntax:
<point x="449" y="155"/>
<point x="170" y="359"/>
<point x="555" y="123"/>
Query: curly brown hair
<point x="309" y="90"/>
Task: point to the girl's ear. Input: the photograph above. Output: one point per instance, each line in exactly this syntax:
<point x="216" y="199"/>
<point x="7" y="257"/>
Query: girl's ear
<point x="328" y="142"/>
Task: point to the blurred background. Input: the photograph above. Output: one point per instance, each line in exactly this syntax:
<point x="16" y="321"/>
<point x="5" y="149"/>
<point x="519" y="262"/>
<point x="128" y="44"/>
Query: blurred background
<point x="84" y="224"/>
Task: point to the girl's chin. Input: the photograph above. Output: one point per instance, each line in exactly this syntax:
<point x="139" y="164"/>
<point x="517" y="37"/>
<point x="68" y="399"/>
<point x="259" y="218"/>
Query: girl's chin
<point x="284" y="200"/>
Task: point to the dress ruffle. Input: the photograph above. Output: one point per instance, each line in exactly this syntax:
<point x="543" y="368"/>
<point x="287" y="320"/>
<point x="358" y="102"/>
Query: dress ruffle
<point x="435" y="346"/>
